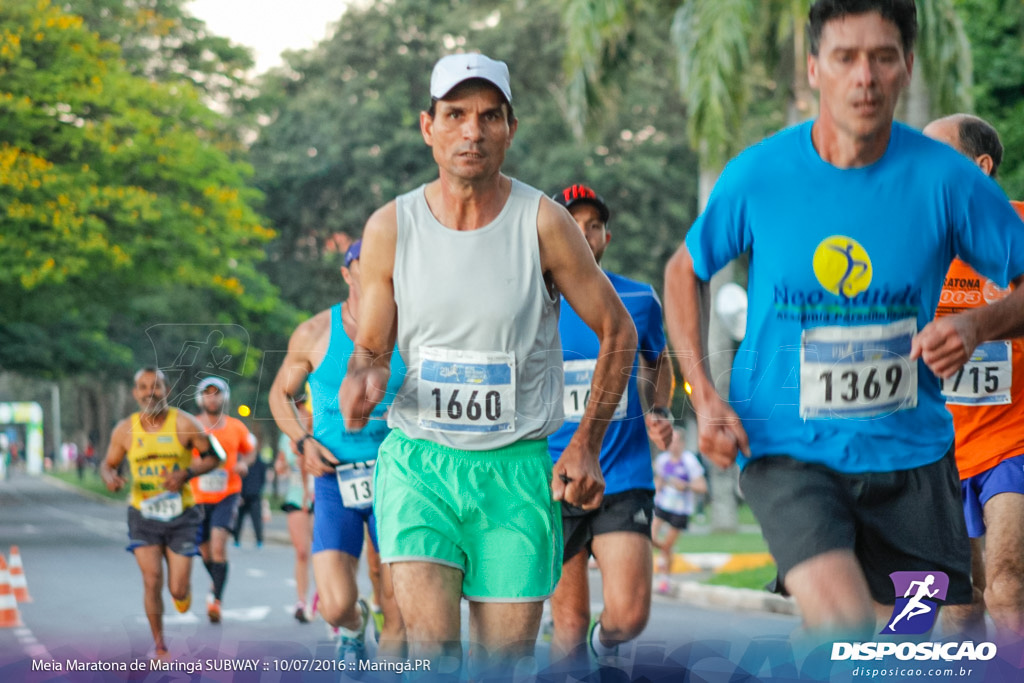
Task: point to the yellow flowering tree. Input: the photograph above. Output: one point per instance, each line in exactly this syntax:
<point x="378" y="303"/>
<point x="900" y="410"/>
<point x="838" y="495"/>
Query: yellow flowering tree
<point x="117" y="202"/>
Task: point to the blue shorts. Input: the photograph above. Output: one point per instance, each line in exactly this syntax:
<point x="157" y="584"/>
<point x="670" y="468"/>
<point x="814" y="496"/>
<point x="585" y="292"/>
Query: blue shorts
<point x="1006" y="477"/>
<point x="222" y="514"/>
<point x="336" y="527"/>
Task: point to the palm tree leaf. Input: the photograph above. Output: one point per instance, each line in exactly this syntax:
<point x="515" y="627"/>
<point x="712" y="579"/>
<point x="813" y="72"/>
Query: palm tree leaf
<point x="594" y="31"/>
<point x="944" y="56"/>
<point x="711" y="38"/>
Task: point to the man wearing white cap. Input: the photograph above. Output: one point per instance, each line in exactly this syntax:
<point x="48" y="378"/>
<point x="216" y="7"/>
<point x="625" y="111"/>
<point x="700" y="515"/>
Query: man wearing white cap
<point x="466" y="272"/>
<point x="219" y="491"/>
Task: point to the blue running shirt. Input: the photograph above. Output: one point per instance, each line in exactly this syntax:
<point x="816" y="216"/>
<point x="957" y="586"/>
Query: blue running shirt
<point x="846" y="265"/>
<point x="325" y="382"/>
<point x="625" y="453"/>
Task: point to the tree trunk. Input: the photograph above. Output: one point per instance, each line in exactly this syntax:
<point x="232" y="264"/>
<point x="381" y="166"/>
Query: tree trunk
<point x="915" y="108"/>
<point x="803" y="104"/>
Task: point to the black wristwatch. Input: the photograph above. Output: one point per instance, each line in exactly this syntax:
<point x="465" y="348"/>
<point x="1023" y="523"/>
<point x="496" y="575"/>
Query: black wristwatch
<point x="300" y="444"/>
<point x="662" y="411"/>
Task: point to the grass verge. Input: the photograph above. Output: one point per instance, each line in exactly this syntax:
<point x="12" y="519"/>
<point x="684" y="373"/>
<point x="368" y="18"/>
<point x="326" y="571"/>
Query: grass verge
<point x="748" y="578"/>
<point x="90" y="481"/>
<point x="721" y="543"/>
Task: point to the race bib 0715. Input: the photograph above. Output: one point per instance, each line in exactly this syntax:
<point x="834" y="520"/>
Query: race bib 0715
<point x="986" y="379"/>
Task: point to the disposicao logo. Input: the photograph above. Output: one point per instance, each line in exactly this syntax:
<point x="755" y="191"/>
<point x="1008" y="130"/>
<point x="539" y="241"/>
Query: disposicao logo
<point x="917" y="598"/>
<point x="842" y="266"/>
<point x="914" y="613"/>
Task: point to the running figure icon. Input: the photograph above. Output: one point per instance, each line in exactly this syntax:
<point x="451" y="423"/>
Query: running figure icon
<point x="914" y="606"/>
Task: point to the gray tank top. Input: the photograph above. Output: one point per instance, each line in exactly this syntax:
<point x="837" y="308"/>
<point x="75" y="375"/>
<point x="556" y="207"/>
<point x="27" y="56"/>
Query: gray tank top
<point x="477" y="328"/>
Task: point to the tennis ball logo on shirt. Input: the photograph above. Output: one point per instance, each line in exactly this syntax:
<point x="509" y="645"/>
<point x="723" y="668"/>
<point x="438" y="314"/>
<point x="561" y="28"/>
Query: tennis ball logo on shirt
<point x="993" y="292"/>
<point x="842" y="266"/>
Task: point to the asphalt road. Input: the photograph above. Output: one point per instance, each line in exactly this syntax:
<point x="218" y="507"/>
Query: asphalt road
<point x="87" y="607"/>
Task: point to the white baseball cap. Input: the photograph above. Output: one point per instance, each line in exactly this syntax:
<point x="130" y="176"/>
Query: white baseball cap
<point x="212" y="381"/>
<point x="454" y="69"/>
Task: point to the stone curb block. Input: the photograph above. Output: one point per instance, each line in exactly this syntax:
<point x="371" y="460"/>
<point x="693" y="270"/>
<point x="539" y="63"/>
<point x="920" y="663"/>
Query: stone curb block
<point x="703" y="595"/>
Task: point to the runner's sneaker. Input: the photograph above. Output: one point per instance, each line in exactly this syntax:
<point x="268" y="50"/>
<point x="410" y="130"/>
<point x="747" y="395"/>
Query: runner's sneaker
<point x="183" y="605"/>
<point x="213" y="611"/>
<point x="352" y="644"/>
<point x="610" y="658"/>
<point x="300" y="613"/>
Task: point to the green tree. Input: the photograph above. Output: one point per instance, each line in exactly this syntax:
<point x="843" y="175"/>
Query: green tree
<point x="110" y="186"/>
<point x="996" y="31"/>
<point x="161" y="41"/>
<point x="344" y="133"/>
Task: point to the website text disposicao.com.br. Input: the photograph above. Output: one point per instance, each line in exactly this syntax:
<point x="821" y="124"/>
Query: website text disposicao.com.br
<point x="912" y="672"/>
<point x="913" y="660"/>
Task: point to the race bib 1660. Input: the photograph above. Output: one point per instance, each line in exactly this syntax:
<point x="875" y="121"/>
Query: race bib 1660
<point x="466" y="391"/>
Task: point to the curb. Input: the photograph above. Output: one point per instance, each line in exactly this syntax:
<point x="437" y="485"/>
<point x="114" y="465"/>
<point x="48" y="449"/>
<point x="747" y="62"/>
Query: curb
<point x="704" y="595"/>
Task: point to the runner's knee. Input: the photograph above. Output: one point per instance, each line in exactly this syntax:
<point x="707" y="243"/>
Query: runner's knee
<point x="627" y="621"/>
<point x="1005" y="589"/>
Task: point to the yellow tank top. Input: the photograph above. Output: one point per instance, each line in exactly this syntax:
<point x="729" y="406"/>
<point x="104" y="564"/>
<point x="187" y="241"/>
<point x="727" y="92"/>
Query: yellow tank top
<point x="152" y="455"/>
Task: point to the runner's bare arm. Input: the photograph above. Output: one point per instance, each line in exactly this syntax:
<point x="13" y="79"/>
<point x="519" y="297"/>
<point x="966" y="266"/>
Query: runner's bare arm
<point x="370" y="366"/>
<point x="946" y="343"/>
<point x="567" y="258"/>
<point x="120" y="439"/>
<point x="657" y="384"/>
<point x="720" y="433"/>
<point x="305" y="349"/>
<point x="295" y="369"/>
<point x="699" y="485"/>
<point x="249" y="456"/>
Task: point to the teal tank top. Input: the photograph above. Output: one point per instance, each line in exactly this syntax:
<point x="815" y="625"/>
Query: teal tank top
<point x="324" y="383"/>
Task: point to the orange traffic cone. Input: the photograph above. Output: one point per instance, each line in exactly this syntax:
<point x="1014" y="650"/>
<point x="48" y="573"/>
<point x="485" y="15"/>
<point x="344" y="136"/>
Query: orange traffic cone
<point x="9" y="616"/>
<point x="18" y="583"/>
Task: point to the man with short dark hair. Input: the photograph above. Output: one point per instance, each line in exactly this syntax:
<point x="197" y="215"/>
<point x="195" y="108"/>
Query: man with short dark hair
<point x="163" y="519"/>
<point x="618" y="533"/>
<point x="851" y="221"/>
<point x="986" y="399"/>
<point x="467" y="272"/>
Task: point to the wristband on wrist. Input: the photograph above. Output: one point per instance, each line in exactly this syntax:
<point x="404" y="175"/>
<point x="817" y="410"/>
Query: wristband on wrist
<point x="189" y="473"/>
<point x="300" y="445"/>
<point x="661" y="411"/>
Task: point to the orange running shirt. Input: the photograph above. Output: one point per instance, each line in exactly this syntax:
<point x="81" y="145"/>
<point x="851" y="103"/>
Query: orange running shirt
<point x="986" y="399"/>
<point x="217" y="485"/>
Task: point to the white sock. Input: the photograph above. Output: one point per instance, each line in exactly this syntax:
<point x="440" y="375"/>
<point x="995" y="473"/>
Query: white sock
<point x="600" y="649"/>
<point x="352" y="633"/>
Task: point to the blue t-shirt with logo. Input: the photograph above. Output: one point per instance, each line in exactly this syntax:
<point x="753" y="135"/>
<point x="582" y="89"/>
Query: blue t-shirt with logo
<point x="625" y="453"/>
<point x="325" y="382"/>
<point x="845" y="265"/>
